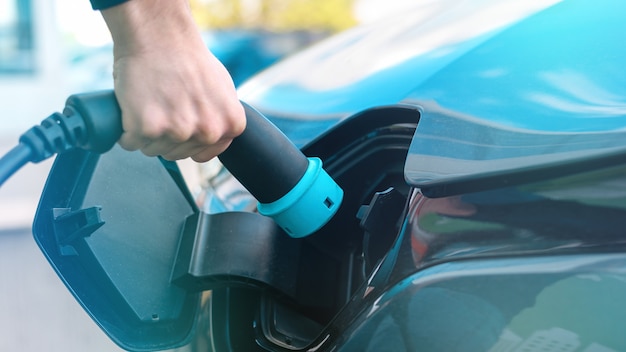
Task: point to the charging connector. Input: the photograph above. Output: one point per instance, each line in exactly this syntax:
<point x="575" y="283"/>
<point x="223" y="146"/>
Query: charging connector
<point x="292" y="189"/>
<point x="55" y="134"/>
<point x="77" y="127"/>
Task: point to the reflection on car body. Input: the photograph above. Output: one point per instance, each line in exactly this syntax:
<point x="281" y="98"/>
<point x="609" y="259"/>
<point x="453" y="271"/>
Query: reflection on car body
<point x="481" y="150"/>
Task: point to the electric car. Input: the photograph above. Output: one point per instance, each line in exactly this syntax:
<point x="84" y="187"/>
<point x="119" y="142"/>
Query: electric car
<point x="481" y="149"/>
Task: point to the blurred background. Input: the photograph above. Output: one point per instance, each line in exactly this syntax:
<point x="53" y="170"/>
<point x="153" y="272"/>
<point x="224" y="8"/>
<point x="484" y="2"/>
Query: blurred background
<point x="50" y="49"/>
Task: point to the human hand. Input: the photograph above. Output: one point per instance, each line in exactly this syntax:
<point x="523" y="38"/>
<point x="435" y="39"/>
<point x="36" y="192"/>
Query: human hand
<point x="177" y="100"/>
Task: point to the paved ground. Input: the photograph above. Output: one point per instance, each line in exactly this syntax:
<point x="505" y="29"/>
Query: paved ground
<point x="20" y="194"/>
<point x="37" y="312"/>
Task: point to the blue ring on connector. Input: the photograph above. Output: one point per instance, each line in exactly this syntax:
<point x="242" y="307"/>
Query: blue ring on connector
<point x="309" y="205"/>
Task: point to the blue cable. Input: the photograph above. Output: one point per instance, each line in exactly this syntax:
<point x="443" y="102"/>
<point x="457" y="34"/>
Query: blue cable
<point x="13" y="161"/>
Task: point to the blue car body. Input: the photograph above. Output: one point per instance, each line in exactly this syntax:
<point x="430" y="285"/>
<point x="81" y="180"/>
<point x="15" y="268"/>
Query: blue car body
<point x="537" y="66"/>
<point x="515" y="241"/>
<point x="481" y="149"/>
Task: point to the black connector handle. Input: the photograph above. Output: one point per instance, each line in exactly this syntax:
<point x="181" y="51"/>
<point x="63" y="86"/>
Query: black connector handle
<point x="291" y="188"/>
<point x="102" y="117"/>
<point x="263" y="159"/>
<point x="266" y="163"/>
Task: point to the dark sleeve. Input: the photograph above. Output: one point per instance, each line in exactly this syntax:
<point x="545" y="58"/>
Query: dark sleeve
<point x="103" y="4"/>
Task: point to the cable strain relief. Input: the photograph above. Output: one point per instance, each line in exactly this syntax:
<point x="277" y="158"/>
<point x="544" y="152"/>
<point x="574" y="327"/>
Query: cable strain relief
<point x="57" y="133"/>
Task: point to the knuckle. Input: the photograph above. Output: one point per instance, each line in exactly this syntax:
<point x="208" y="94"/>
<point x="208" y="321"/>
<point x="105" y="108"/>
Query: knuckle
<point x="180" y="133"/>
<point x="237" y="120"/>
<point x="208" y="134"/>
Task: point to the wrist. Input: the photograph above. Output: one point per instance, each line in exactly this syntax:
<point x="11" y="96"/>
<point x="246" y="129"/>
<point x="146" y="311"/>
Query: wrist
<point x="138" y="26"/>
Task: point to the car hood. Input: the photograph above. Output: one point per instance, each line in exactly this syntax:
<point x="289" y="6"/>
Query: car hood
<point x="504" y="83"/>
<point x="384" y="62"/>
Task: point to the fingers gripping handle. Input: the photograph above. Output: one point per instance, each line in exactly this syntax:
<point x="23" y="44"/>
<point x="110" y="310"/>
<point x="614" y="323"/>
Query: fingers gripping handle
<point x="292" y="189"/>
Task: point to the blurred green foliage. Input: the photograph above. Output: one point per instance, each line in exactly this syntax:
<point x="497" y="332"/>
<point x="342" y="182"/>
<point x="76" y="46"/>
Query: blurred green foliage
<point x="275" y="15"/>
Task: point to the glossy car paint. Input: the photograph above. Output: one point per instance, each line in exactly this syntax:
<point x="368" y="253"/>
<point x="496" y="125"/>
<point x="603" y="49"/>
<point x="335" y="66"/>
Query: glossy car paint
<point x="538" y="260"/>
<point x="518" y="267"/>
<point x="559" y="303"/>
<point x="384" y="62"/>
<point x="531" y="67"/>
<point x="513" y="86"/>
<point x="547" y="90"/>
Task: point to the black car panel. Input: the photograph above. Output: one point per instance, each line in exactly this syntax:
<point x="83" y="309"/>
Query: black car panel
<point x="110" y="226"/>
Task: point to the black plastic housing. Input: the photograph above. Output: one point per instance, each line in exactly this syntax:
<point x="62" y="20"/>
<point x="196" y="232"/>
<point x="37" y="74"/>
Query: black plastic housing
<point x="235" y="249"/>
<point x="365" y="154"/>
<point x="263" y="159"/>
<point x="102" y="117"/>
<point x="110" y="226"/>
